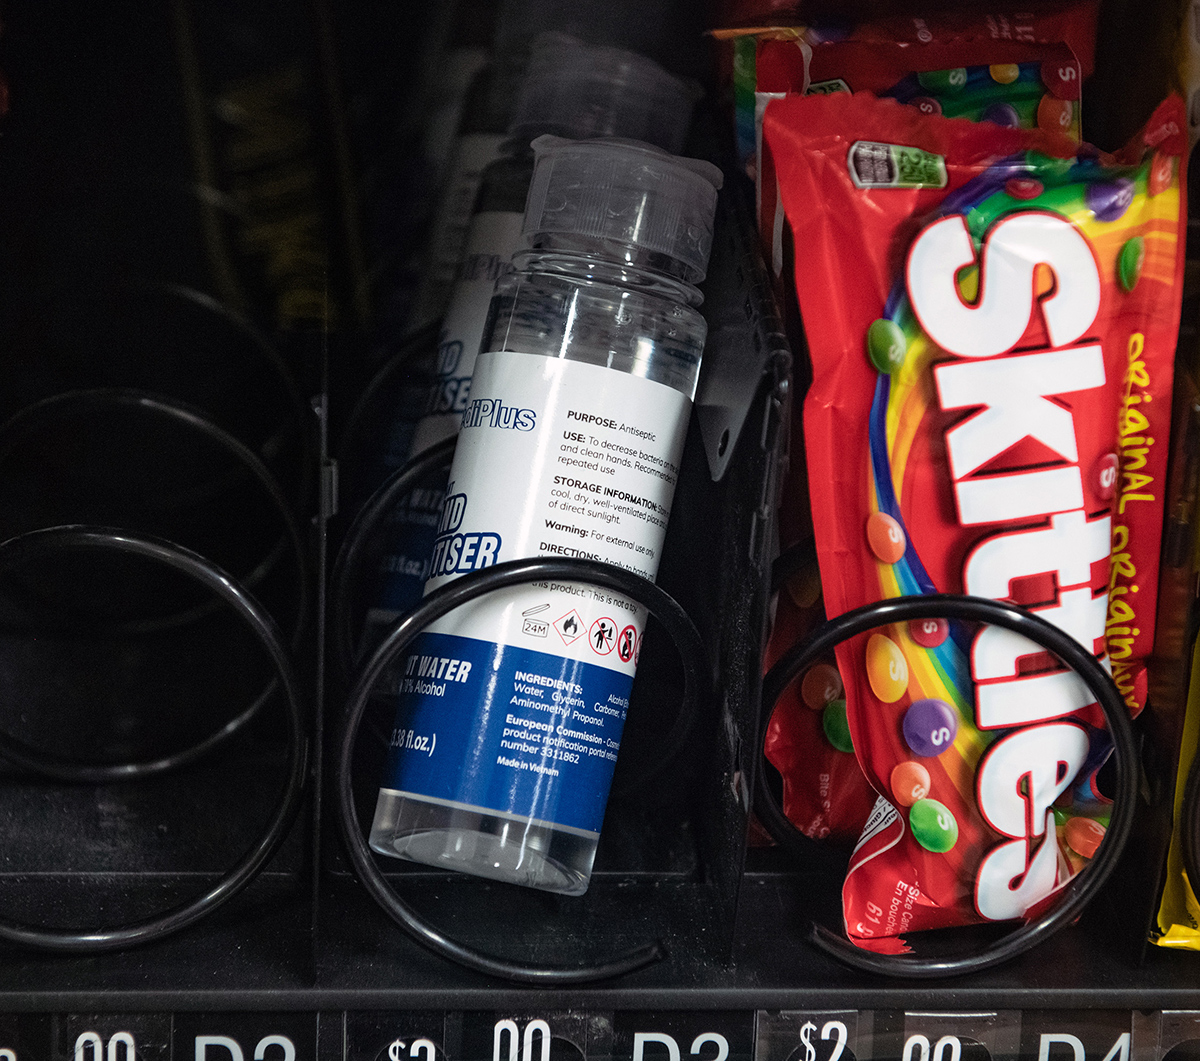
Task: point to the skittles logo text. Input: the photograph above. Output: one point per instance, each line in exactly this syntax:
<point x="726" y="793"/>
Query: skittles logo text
<point x="455" y="553"/>
<point x="1026" y="770"/>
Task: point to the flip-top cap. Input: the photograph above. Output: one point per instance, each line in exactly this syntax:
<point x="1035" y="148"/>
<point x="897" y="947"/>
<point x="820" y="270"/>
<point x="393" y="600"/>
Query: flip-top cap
<point x="582" y="91"/>
<point x="652" y="27"/>
<point x="632" y="196"/>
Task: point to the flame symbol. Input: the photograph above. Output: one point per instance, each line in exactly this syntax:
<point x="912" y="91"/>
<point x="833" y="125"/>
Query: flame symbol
<point x="570" y="626"/>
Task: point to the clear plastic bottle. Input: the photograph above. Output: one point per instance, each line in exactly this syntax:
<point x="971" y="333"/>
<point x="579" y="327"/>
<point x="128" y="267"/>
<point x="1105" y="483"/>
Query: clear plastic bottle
<point x="512" y="707"/>
<point x="480" y="138"/>
<point x="570" y="89"/>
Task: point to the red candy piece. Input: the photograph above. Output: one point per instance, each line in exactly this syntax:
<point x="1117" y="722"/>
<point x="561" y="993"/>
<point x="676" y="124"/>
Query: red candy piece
<point x="1162" y="173"/>
<point x="1061" y="77"/>
<point x="910" y="783"/>
<point x="926" y="104"/>
<point x="1055" y="115"/>
<point x="1083" y="836"/>
<point x="928" y="633"/>
<point x="1024" y="187"/>
<point x="1105" y="476"/>
<point x="821" y="684"/>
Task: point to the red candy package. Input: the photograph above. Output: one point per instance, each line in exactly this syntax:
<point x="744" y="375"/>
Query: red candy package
<point x="991" y="315"/>
<point x="1011" y="68"/>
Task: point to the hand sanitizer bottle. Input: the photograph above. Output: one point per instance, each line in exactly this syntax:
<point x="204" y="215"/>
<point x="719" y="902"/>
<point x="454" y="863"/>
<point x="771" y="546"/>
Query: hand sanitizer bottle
<point x="511" y="708"/>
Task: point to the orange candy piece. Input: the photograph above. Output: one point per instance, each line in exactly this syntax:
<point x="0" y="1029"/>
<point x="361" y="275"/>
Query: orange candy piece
<point x="1055" y="115"/>
<point x="885" y="537"/>
<point x="1083" y="836"/>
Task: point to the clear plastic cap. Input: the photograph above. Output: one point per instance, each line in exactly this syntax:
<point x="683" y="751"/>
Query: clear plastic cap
<point x="582" y="91"/>
<point x="626" y="196"/>
<point x="655" y="27"/>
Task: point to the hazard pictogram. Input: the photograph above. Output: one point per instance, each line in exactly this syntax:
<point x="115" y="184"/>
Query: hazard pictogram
<point x="602" y="636"/>
<point x="627" y="643"/>
<point x="569" y="626"/>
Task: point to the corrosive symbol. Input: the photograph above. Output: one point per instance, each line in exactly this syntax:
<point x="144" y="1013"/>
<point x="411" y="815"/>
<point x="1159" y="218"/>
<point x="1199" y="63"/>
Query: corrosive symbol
<point x="626" y="643"/>
<point x="603" y="635"/>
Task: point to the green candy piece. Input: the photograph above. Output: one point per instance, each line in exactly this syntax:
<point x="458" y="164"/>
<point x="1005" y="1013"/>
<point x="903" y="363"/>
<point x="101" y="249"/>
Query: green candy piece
<point x="948" y="82"/>
<point x="836" y="726"/>
<point x="1049" y="168"/>
<point x="886" y="345"/>
<point x="1130" y="261"/>
<point x="932" y="825"/>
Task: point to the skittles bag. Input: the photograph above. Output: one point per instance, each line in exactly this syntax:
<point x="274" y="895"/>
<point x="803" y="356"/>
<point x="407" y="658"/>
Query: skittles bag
<point x="1020" y="70"/>
<point x="991" y="315"/>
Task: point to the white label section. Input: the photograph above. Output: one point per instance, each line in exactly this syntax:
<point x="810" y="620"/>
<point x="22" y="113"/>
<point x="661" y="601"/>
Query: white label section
<point x="559" y="458"/>
<point x="491" y="242"/>
<point x="448" y="233"/>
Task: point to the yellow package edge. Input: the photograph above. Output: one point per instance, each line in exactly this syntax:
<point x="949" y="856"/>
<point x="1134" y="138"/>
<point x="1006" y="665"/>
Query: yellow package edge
<point x="1179" y="910"/>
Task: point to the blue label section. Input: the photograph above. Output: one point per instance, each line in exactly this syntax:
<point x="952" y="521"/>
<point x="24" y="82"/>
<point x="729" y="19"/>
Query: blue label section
<point x="455" y="553"/>
<point x="410" y="531"/>
<point x="508" y="729"/>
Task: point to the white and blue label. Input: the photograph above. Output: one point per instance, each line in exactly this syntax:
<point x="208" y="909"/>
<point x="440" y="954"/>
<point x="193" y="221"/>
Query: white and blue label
<point x="406" y="567"/>
<point x="449" y="230"/>
<point x="505" y="729"/>
<point x="493" y="237"/>
<point x="514" y="703"/>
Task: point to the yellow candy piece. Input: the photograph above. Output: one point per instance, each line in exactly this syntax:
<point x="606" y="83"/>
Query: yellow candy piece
<point x="804" y="586"/>
<point x="967" y="279"/>
<point x="1004" y="73"/>
<point x="887" y="669"/>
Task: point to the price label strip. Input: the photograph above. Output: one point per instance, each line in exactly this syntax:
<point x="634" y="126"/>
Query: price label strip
<point x="683" y="1036"/>
<point x="243" y="1036"/>
<point x="108" y="1037"/>
<point x="993" y="1035"/>
<point x="414" y="1035"/>
<point x="989" y="1035"/>
<point x="820" y="1035"/>
<point x="577" y="1035"/>
<point x="1177" y="1034"/>
<point x="567" y="1035"/>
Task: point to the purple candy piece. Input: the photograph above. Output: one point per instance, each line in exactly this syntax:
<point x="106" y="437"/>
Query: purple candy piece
<point x="929" y="727"/>
<point x="831" y="32"/>
<point x="1108" y="200"/>
<point x="1002" y="114"/>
